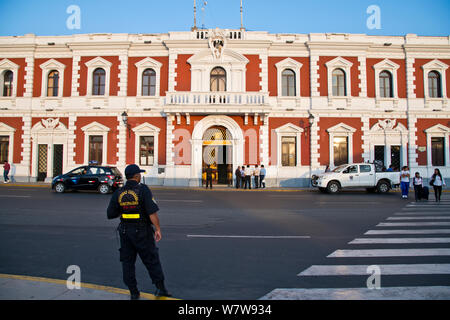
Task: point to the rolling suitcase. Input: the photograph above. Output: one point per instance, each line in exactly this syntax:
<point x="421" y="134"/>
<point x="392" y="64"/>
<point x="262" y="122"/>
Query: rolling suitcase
<point x="425" y="193"/>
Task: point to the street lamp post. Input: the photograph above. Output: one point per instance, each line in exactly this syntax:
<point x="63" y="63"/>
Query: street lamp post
<point x="311" y="122"/>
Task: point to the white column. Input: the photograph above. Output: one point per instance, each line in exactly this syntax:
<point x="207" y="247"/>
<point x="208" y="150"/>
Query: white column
<point x="315" y="146"/>
<point x="75" y="76"/>
<point x="362" y="76"/>
<point x="123" y="75"/>
<point x="264" y="73"/>
<point x="412" y="140"/>
<point x="29" y="69"/>
<point x="71" y="142"/>
<point x="169" y="142"/>
<point x="122" y="145"/>
<point x="314" y="75"/>
<point x="366" y="138"/>
<point x="26" y="144"/>
<point x="264" y="140"/>
<point x="172" y="71"/>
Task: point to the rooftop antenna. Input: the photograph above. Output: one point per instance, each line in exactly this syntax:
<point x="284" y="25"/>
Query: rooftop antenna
<point x="195" y="15"/>
<point x="203" y="13"/>
<point x="242" y="18"/>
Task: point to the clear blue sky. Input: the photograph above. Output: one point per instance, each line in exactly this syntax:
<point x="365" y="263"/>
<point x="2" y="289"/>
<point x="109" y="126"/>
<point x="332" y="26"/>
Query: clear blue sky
<point x="398" y="17"/>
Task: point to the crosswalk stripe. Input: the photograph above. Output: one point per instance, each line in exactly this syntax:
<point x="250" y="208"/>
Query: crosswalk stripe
<point x="406" y="213"/>
<point x="389" y="253"/>
<point x="412" y="224"/>
<point x="398" y="240"/>
<point x="419" y="218"/>
<point x="384" y="293"/>
<point x="422" y="231"/>
<point x="392" y="269"/>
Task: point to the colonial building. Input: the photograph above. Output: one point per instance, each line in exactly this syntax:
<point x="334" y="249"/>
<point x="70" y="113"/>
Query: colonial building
<point x="175" y="102"/>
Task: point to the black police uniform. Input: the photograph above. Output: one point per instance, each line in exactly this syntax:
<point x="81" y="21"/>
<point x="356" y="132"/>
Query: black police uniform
<point x="133" y="203"/>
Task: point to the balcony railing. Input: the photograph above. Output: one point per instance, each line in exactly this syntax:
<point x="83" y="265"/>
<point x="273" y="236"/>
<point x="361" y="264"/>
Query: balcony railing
<point x="217" y="98"/>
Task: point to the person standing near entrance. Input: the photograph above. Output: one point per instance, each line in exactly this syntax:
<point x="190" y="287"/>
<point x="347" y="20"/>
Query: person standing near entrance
<point x="248" y="174"/>
<point x="262" y="176"/>
<point x="256" y="175"/>
<point x="209" y="173"/>
<point x="139" y="229"/>
<point x="243" y="177"/>
<point x="6" y="168"/>
<point x="404" y="181"/>
<point x="418" y="186"/>
<point x="237" y="173"/>
<point x="437" y="182"/>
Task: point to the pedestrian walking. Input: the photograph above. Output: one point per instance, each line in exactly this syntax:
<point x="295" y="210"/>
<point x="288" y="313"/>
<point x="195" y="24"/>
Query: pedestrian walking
<point x="262" y="177"/>
<point x="6" y="168"/>
<point x="237" y="173"/>
<point x="209" y="173"/>
<point x="418" y="186"/>
<point x="248" y="173"/>
<point x="256" y="173"/>
<point x="139" y="229"/>
<point x="437" y="182"/>
<point x="404" y="181"/>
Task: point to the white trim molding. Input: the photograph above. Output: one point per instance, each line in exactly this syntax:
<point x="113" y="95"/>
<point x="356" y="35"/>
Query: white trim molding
<point x="386" y="65"/>
<point x="93" y="64"/>
<point x="146" y="129"/>
<point x="289" y="130"/>
<point x="435" y="65"/>
<point x="47" y="67"/>
<point x="438" y="131"/>
<point x="6" y="130"/>
<point x="293" y="65"/>
<point x="345" y="65"/>
<point x="95" y="129"/>
<point x="148" y="63"/>
<point x="341" y="130"/>
<point x="6" y="65"/>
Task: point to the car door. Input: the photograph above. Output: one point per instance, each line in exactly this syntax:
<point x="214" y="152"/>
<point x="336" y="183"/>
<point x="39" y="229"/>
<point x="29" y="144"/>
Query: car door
<point x="366" y="175"/>
<point x="350" y="177"/>
<point x="73" y="180"/>
<point x="89" y="181"/>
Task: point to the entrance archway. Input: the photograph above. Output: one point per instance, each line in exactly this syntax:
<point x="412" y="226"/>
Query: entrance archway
<point x="234" y="140"/>
<point x="218" y="154"/>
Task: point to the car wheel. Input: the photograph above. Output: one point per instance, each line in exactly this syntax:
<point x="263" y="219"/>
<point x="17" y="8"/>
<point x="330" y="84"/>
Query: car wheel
<point x="333" y="187"/>
<point x="104" y="189"/>
<point x="383" y="187"/>
<point x="60" y="187"/>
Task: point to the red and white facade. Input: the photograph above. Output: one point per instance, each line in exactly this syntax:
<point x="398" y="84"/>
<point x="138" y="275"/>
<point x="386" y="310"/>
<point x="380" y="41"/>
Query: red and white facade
<point x="258" y="115"/>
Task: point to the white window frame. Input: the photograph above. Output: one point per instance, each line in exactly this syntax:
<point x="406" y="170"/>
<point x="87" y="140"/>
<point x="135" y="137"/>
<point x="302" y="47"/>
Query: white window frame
<point x="146" y="130"/>
<point x="438" y="131"/>
<point x="341" y="130"/>
<point x="7" y="65"/>
<point x="47" y="67"/>
<point x="92" y="65"/>
<point x="96" y="129"/>
<point x="386" y="65"/>
<point x="293" y="65"/>
<point x="440" y="67"/>
<point x="8" y="131"/>
<point x="289" y="130"/>
<point x="339" y="63"/>
<point x="144" y="64"/>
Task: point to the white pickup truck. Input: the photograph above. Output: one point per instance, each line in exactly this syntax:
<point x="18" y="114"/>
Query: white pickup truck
<point x="359" y="175"/>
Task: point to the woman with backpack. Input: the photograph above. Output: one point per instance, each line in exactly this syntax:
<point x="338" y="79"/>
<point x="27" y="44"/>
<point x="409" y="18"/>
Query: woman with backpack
<point x="437" y="182"/>
<point x="418" y="186"/>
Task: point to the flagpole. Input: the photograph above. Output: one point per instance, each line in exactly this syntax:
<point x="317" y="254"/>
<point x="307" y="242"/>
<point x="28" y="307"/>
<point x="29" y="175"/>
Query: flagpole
<point x="195" y="15"/>
<point x="242" y="18"/>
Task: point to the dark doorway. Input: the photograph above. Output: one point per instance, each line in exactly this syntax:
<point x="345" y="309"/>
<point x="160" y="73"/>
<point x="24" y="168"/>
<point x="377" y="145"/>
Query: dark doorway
<point x="340" y="145"/>
<point x="380" y="154"/>
<point x="42" y="162"/>
<point x="57" y="159"/>
<point x="219" y="158"/>
<point x="396" y="157"/>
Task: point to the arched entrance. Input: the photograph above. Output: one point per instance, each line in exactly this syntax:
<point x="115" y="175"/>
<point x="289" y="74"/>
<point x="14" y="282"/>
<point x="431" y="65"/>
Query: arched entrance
<point x="231" y="136"/>
<point x="218" y="154"/>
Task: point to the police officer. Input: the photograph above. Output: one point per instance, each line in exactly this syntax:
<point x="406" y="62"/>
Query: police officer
<point x="209" y="173"/>
<point x="138" y="229"/>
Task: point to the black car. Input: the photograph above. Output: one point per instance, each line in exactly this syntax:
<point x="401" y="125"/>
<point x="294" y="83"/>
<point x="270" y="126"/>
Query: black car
<point x="91" y="177"/>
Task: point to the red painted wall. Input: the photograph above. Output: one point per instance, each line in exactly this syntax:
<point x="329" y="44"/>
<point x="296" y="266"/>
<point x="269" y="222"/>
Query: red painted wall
<point x="418" y="72"/>
<point x="253" y="73"/>
<point x="275" y="123"/>
<point x="305" y="87"/>
<point x="131" y="138"/>
<point x="114" y="77"/>
<point x="17" y="124"/>
<point x="422" y="125"/>
<point x="37" y="82"/>
<point x="323" y="75"/>
<point x="183" y="70"/>
<point x="324" y="140"/>
<point x="401" y="77"/>
<point x="132" y="75"/>
<point x="110" y="122"/>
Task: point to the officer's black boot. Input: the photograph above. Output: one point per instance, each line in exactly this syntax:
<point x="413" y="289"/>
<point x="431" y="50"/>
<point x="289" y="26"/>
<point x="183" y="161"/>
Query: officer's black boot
<point x="134" y="294"/>
<point x="161" y="290"/>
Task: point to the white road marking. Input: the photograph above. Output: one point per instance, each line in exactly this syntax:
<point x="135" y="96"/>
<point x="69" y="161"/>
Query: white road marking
<point x="385" y="293"/>
<point x="406" y="213"/>
<point x="389" y="253"/>
<point x="8" y="196"/>
<point x="390" y="269"/>
<point x="386" y="232"/>
<point x="413" y="224"/>
<point x="246" y="237"/>
<point x="398" y="240"/>
<point x="419" y="218"/>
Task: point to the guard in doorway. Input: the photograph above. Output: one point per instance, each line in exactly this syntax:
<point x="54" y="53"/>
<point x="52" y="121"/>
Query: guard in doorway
<point x="209" y="173"/>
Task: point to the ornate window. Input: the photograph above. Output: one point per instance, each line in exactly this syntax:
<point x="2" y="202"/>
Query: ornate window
<point x="53" y="84"/>
<point x="95" y="142"/>
<point x="96" y="149"/>
<point x="434" y="85"/>
<point x="438" y="138"/>
<point x="98" y="83"/>
<point x="339" y="83"/>
<point x="218" y="80"/>
<point x="289" y="145"/>
<point x="8" y="83"/>
<point x="288" y="151"/>
<point x="288" y="83"/>
<point x="434" y="80"/>
<point x="4" y="148"/>
<point x="341" y="144"/>
<point x="149" y="82"/>
<point x="386" y="85"/>
<point x="99" y="75"/>
<point x="146" y="144"/>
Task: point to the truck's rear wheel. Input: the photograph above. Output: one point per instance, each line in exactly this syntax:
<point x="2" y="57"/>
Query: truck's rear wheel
<point x="383" y="187"/>
<point x="333" y="187"/>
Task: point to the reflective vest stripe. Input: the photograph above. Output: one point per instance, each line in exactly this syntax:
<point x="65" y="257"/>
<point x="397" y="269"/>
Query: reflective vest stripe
<point x="131" y="216"/>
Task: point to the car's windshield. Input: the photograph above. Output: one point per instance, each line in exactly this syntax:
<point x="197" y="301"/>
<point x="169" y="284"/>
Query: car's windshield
<point x="340" y="169"/>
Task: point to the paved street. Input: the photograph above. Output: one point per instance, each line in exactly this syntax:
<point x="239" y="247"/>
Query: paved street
<point x="237" y="245"/>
